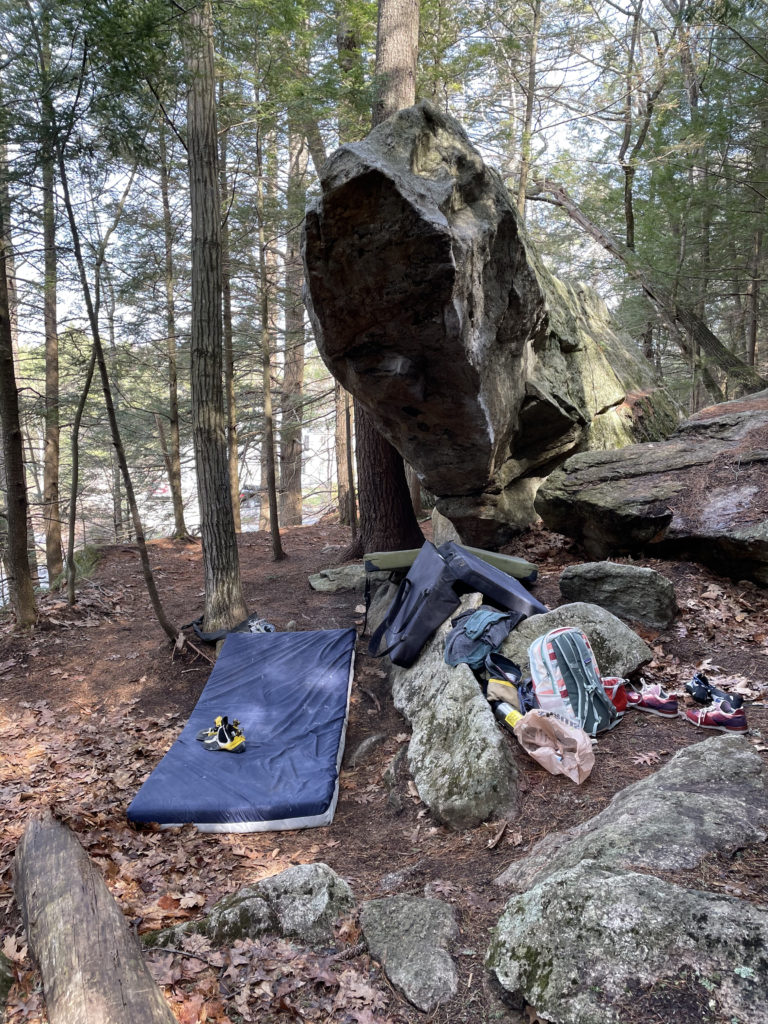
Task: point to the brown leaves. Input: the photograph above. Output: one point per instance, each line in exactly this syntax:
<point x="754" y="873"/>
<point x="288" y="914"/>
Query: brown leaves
<point x="649" y="758"/>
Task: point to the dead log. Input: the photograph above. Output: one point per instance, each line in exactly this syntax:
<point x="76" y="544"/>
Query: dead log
<point x="91" y="962"/>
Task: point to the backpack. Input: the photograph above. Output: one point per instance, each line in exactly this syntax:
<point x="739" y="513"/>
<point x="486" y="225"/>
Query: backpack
<point x="566" y="680"/>
<point x="475" y="634"/>
<point x="429" y="595"/>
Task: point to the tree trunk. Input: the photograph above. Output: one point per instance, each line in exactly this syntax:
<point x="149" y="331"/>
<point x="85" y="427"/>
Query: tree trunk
<point x="229" y="360"/>
<point x="173" y="463"/>
<point x="292" y="399"/>
<point x="19" y="578"/>
<point x="224" y="603"/>
<point x="741" y="379"/>
<point x="268" y="436"/>
<point x="525" y="143"/>
<point x="75" y="481"/>
<point x="387" y="519"/>
<point x="346" y="500"/>
<point x="397" y="43"/>
<point x="51" y="504"/>
<point x="91" y="964"/>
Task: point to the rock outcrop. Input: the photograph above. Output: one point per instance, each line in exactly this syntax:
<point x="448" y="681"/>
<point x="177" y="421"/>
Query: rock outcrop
<point x="668" y="821"/>
<point x="431" y="307"/>
<point x="698" y="494"/>
<point x="595" y="938"/>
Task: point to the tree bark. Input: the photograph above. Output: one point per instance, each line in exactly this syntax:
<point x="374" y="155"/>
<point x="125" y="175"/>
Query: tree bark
<point x="91" y="963"/>
<point x="19" y="578"/>
<point x="292" y="399"/>
<point x="173" y="463"/>
<point x="268" y="437"/>
<point x="387" y="519"/>
<point x="51" y="507"/>
<point x="229" y="360"/>
<point x="397" y="44"/>
<point x="224" y="602"/>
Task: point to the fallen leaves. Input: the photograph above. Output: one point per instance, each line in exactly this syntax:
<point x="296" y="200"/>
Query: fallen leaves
<point x="648" y="758"/>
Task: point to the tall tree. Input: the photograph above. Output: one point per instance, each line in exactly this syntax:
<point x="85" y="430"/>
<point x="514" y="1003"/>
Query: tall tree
<point x="224" y="601"/>
<point x="22" y="592"/>
<point x="387" y="519"/>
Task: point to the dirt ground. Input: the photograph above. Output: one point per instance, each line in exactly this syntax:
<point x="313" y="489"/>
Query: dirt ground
<point x="94" y="696"/>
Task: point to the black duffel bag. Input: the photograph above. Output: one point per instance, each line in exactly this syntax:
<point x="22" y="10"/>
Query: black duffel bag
<point x="430" y="594"/>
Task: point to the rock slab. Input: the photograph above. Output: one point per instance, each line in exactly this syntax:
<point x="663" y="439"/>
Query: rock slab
<point x="699" y="494"/>
<point x="592" y="940"/>
<point x="670" y="820"/>
<point x="630" y="591"/>
<point x="459" y="758"/>
<point x="409" y="936"/>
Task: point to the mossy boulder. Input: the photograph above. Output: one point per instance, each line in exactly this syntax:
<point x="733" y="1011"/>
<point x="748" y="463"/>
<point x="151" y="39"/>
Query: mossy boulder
<point x="302" y="902"/>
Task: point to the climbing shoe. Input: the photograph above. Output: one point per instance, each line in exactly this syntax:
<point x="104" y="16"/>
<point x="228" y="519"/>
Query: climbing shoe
<point x="228" y="737"/>
<point x="206" y="734"/>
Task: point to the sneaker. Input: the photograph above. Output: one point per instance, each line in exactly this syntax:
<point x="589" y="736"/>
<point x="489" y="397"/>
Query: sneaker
<point x="654" y="700"/>
<point x="499" y="667"/>
<point x="703" y="692"/>
<point x="721" y="715"/>
<point x="229" y="736"/>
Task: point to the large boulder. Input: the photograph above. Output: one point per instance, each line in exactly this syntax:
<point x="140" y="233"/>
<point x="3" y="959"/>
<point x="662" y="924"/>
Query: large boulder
<point x="429" y="304"/>
<point x="632" y="591"/>
<point x="302" y="902"/>
<point x="595" y="946"/>
<point x="667" y="821"/>
<point x="458" y="756"/>
<point x="618" y="650"/>
<point x="700" y="493"/>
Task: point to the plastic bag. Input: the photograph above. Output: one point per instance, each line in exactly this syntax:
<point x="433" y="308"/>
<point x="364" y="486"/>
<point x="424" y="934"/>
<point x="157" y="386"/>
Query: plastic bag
<point x="558" y="745"/>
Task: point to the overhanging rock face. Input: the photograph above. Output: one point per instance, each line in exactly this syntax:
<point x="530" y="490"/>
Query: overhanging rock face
<point x="432" y="309"/>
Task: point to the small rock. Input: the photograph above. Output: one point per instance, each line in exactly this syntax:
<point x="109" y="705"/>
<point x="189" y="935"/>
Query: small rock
<point x="408" y="935"/>
<point x="630" y="591"/>
<point x="345" y="577"/>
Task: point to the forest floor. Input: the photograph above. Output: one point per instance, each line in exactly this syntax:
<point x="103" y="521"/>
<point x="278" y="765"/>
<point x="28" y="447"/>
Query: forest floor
<point x="94" y="696"/>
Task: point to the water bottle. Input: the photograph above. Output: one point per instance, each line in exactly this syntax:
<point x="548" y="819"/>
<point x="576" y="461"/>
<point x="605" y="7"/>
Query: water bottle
<point x="506" y="713"/>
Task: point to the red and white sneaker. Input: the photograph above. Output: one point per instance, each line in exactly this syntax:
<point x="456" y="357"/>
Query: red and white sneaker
<point x="653" y="699"/>
<point x="721" y="716"/>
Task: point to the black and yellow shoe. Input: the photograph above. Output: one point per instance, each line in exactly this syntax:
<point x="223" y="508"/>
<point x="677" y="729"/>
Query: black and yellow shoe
<point x="228" y="737"/>
<point x="206" y="734"/>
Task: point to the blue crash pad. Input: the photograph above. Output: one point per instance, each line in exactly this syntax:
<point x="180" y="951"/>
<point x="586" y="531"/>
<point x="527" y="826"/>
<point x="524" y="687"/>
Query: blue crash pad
<point x="290" y="692"/>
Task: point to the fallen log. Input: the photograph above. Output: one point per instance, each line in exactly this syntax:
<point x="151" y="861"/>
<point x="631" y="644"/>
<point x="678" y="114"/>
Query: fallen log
<point x="91" y="963"/>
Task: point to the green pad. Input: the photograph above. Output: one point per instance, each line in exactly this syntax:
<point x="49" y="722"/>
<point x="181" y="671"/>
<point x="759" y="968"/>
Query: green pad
<point x="392" y="561"/>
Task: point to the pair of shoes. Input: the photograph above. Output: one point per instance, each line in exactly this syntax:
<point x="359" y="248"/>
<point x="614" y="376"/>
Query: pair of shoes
<point x="720" y="715"/>
<point x="653" y="699"/>
<point x="223" y="735"/>
<point x="703" y="692"/>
